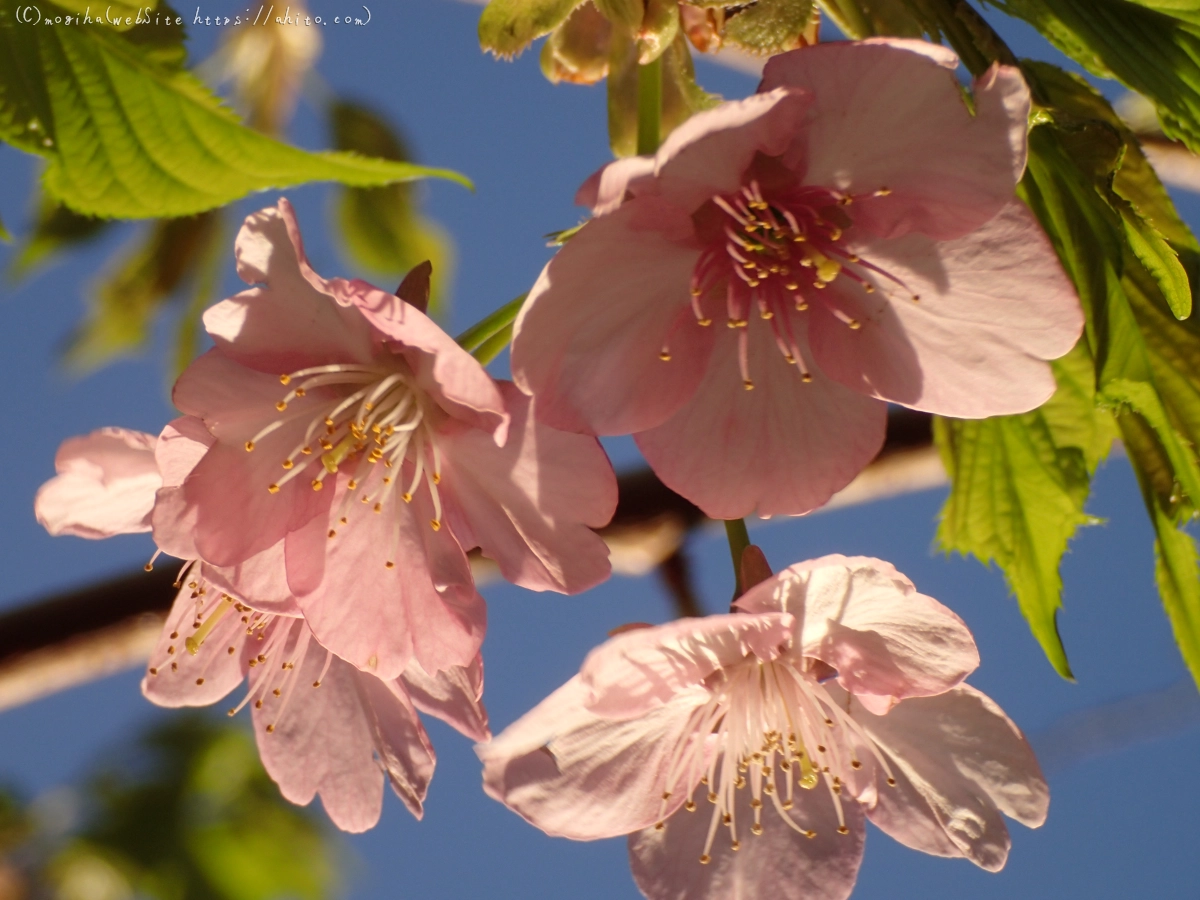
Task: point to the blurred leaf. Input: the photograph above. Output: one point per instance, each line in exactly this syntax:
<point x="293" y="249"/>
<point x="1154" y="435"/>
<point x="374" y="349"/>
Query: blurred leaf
<point x="4" y="235"/>
<point x="382" y="228"/>
<point x="192" y="816"/>
<point x="506" y="27"/>
<point x="867" y="18"/>
<point x="771" y="26"/>
<point x="81" y="872"/>
<point x="127" y="136"/>
<point x="112" y="14"/>
<point x="55" y="229"/>
<point x="165" y="259"/>
<point x="658" y="29"/>
<point x="1019" y="485"/>
<point x="1152" y="47"/>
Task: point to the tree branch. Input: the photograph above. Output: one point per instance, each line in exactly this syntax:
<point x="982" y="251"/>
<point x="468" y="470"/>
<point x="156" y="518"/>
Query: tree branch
<point x="67" y="639"/>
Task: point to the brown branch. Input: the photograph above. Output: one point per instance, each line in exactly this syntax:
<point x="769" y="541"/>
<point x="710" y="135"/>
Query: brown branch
<point x="68" y="639"/>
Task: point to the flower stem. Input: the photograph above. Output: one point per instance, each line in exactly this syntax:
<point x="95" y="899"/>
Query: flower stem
<point x="493" y="346"/>
<point x="739" y="540"/>
<point x="492" y="325"/>
<point x="649" y="107"/>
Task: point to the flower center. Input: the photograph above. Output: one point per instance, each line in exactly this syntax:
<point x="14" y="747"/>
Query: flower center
<point x="774" y="254"/>
<point x="358" y="417"/>
<point x="767" y="728"/>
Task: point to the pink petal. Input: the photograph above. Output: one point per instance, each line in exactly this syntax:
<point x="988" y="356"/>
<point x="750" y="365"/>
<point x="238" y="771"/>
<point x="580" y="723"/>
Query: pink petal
<point x="453" y="695"/>
<point x="260" y="581"/>
<point x="888" y="114"/>
<point x="868" y="622"/>
<point x="638" y="671"/>
<point x="710" y="152"/>
<point x="338" y="740"/>
<point x="959" y="762"/>
<point x="425" y="607"/>
<point x="605" y="190"/>
<point x="993" y="306"/>
<point x="105" y="485"/>
<point x="199" y="678"/>
<point x="588" y="339"/>
<point x="781" y="863"/>
<point x="235" y="514"/>
<point x="529" y="504"/>
<point x="785" y="447"/>
<point x="574" y="774"/>
<point x="181" y="446"/>
<point x="444" y="370"/>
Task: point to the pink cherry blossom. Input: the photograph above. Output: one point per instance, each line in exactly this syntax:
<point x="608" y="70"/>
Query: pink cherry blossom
<point x="340" y="741"/>
<point x="350" y="428"/>
<point x="741" y="753"/>
<point x="745" y="300"/>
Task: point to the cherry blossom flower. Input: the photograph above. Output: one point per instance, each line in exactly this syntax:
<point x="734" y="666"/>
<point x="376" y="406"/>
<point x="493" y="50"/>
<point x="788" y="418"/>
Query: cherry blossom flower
<point x="339" y="741"/>
<point x="741" y="752"/>
<point x="352" y="429"/>
<point x="743" y="301"/>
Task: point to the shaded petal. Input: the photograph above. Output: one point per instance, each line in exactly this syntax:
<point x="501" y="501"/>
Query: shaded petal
<point x="605" y="190"/>
<point x="453" y="695"/>
<point x="338" y="740"/>
<point x="181" y="446"/>
<point x="587" y="341"/>
<point x="577" y="775"/>
<point x="260" y="581"/>
<point x="710" y="152"/>
<point x="444" y="370"/>
<point x="638" y="671"/>
<point x="178" y="677"/>
<point x="424" y="607"/>
<point x="780" y="863"/>
<point x="105" y="485"/>
<point x="960" y="762"/>
<point x="993" y="306"/>
<point x="785" y="447"/>
<point x="868" y="622"/>
<point x="529" y="504"/>
<point x="294" y="320"/>
<point x="889" y="114"/>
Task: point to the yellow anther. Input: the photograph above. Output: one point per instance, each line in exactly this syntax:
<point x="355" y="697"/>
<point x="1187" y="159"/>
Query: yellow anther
<point x="249" y="446"/>
<point x="659" y="826"/>
<point x="855" y="764"/>
<point x="705" y="859"/>
<point x="712" y="797"/>
<point x="389" y="565"/>
<point x="766" y="314"/>
<point x="149" y="567"/>
<point x="307" y="451"/>
<point x="287" y="463"/>
<point x="690" y="806"/>
<point x="300" y="392"/>
<point x="199" y="681"/>
<point x="748" y="384"/>
<point x="317" y="484"/>
<point x="153" y="671"/>
<point x="842" y="829"/>
<point x="806" y="378"/>
<point x="378" y="507"/>
<point x="801" y="305"/>
<point x="437" y="477"/>
<point x="435" y="524"/>
<point x="735" y="846"/>
<point x="854" y="324"/>
<point x="736" y="323"/>
<point x="281" y="405"/>
<point x="756" y="803"/>
<point x="406" y="497"/>
<point x="756" y="828"/>
<point x="704" y="323"/>
<point x="810" y="834"/>
<point x="352" y="485"/>
<point x="258" y="704"/>
<point x="883" y="192"/>
<point x="270" y="729"/>
<point x="664" y="355"/>
<point x="332" y="533"/>
<point x="284" y="379"/>
<point x="891" y="782"/>
<point x="277" y="692"/>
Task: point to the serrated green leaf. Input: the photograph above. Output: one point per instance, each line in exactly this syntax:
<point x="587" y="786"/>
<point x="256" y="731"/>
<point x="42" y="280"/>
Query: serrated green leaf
<point x="1176" y="570"/>
<point x="1187" y="10"/>
<point x="770" y="26"/>
<point x="382" y="228"/>
<point x="577" y="51"/>
<point x="1016" y="499"/>
<point x="132" y="138"/>
<point x="1160" y="260"/>
<point x="658" y="29"/>
<point x="506" y="27"/>
<point x="1149" y="51"/>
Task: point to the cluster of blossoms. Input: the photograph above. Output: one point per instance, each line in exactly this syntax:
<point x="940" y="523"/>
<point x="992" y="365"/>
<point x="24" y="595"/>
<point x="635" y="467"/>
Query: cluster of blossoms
<point x="746" y="303"/>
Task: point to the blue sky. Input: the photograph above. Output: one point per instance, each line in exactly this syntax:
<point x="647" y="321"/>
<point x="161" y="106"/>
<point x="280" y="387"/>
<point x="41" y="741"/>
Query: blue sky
<point x="1121" y="823"/>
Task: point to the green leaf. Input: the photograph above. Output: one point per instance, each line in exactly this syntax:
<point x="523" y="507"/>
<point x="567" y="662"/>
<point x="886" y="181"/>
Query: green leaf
<point x="770" y="26"/>
<point x="127" y="300"/>
<point x="1151" y="52"/>
<point x="506" y="27"/>
<point x="382" y="228"/>
<point x="1176" y="570"/>
<point x="1019" y="485"/>
<point x="130" y="137"/>
<point x="112" y="14"/>
<point x="55" y="229"/>
<point x="1160" y="260"/>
